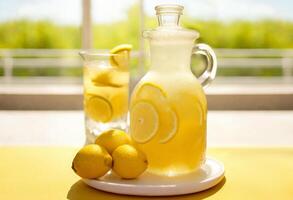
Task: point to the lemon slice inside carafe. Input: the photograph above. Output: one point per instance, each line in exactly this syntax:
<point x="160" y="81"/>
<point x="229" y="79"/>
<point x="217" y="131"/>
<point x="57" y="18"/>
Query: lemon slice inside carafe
<point x="144" y="121"/>
<point x="168" y="119"/>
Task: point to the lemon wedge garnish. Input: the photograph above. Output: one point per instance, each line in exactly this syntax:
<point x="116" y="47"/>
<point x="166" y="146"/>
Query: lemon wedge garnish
<point x="144" y="122"/>
<point x="98" y="108"/>
<point x="121" y="55"/>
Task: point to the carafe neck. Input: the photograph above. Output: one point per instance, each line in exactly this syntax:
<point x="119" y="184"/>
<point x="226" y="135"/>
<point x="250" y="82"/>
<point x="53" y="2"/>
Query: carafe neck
<point x="170" y="44"/>
<point x="168" y="15"/>
<point x="170" y="56"/>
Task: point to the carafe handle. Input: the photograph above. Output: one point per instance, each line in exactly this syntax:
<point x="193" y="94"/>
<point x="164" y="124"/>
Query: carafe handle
<point x="209" y="74"/>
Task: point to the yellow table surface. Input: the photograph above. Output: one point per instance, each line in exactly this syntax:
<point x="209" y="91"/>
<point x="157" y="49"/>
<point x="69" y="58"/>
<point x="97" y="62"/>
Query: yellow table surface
<point x="45" y="173"/>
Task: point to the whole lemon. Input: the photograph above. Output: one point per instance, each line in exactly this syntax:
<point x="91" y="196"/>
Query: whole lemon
<point x="129" y="162"/>
<point x="92" y="161"/>
<point x="112" y="138"/>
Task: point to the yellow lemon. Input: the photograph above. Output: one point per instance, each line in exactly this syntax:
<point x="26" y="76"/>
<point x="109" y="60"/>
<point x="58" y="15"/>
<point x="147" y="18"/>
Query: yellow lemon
<point x="121" y="55"/>
<point x="144" y="121"/>
<point x="129" y="162"/>
<point x="92" y="161"/>
<point x="112" y="138"/>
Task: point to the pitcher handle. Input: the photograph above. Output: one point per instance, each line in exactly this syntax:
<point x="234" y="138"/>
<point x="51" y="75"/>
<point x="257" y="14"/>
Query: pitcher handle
<point x="209" y="74"/>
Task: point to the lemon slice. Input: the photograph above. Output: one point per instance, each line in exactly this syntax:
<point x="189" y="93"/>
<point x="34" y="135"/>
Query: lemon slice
<point x="167" y="116"/>
<point x="111" y="77"/>
<point x="101" y="77"/>
<point x="168" y="125"/>
<point x="98" y="108"/>
<point x="151" y="91"/>
<point x="121" y="56"/>
<point x="94" y="90"/>
<point x="144" y="122"/>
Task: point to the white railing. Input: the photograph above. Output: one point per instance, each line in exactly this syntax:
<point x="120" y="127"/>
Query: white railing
<point x="227" y="58"/>
<point x="252" y="58"/>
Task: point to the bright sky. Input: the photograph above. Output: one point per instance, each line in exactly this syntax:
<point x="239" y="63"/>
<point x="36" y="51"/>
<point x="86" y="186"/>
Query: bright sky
<point x="69" y="11"/>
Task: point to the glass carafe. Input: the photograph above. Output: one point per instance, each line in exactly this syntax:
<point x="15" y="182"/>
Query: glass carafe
<point x="168" y="108"/>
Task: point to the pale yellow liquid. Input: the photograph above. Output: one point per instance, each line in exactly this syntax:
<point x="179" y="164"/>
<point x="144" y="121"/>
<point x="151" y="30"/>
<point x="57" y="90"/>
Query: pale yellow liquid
<point x="110" y="85"/>
<point x="185" y="152"/>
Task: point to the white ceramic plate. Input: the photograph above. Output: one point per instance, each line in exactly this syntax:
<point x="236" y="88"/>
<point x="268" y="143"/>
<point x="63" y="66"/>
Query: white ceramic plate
<point x="210" y="174"/>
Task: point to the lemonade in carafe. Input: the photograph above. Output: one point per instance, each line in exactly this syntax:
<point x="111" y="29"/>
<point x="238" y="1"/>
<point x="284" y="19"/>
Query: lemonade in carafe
<point x="168" y="108"/>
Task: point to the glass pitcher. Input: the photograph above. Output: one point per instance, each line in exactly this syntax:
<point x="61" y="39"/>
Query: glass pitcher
<point x="168" y="107"/>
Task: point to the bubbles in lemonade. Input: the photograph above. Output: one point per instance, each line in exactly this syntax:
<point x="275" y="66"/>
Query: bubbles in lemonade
<point x="105" y="92"/>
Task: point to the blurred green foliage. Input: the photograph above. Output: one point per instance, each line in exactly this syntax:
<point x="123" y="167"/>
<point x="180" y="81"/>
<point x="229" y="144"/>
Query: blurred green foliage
<point x="23" y="33"/>
<point x="235" y="34"/>
<point x="38" y="34"/>
<point x="47" y="71"/>
<point x="244" y="34"/>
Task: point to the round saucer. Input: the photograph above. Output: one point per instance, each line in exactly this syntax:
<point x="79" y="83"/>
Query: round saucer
<point x="210" y="174"/>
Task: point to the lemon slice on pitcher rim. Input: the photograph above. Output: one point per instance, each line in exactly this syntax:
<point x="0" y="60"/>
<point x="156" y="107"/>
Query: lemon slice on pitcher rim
<point x="144" y="121"/>
<point x="99" y="108"/>
<point x="121" y="55"/>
